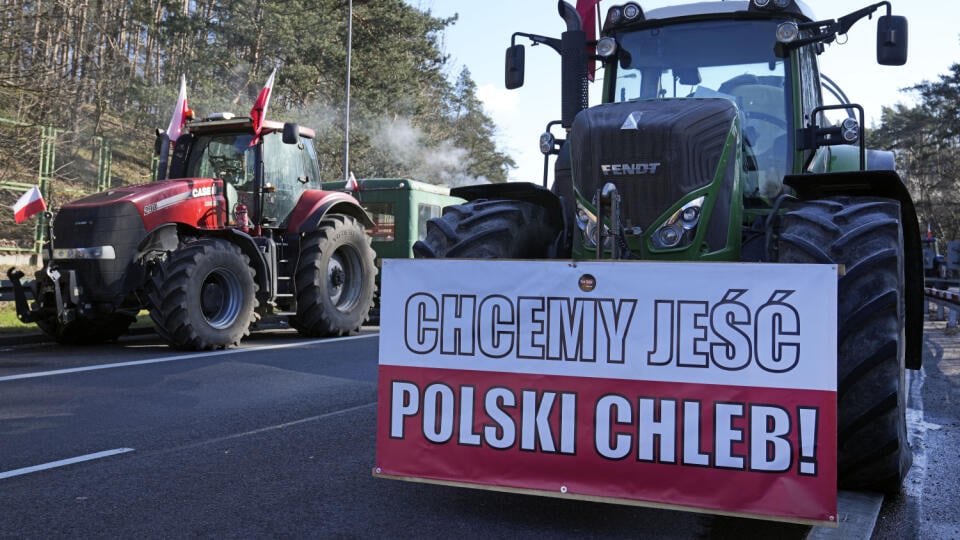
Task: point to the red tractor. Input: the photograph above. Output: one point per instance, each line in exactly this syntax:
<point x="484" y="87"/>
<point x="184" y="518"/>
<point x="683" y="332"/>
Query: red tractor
<point x="239" y="231"/>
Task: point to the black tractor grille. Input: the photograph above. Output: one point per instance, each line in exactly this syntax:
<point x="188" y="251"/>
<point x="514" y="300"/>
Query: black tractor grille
<point x="118" y="225"/>
<point x="654" y="151"/>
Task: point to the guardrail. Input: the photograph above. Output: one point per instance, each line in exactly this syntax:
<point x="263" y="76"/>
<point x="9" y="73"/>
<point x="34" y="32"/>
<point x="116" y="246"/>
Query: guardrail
<point x="947" y="302"/>
<point x="6" y="291"/>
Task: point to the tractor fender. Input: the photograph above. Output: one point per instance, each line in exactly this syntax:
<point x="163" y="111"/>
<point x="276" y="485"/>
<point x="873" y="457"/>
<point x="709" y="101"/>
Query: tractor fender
<point x="887" y="184"/>
<point x="160" y="239"/>
<point x="314" y="204"/>
<point x="518" y="191"/>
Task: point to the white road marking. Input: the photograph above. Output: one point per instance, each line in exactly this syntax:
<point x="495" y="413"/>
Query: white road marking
<point x="64" y="462"/>
<point x="277" y="426"/>
<point x="205" y="354"/>
<point x="914" y="483"/>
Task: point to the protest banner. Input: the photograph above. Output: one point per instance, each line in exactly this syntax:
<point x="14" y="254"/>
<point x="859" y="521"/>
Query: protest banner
<point x="706" y="387"/>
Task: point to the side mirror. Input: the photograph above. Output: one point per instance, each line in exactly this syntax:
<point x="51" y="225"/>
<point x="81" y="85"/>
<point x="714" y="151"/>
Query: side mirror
<point x="513" y="67"/>
<point x="892" y="40"/>
<point x="291" y="133"/>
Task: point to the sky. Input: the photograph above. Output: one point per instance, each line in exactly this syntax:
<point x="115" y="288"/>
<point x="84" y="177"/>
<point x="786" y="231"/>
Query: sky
<point x="482" y="33"/>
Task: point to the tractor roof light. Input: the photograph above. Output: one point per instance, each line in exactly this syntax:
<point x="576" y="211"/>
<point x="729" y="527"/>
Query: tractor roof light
<point x="625" y="14"/>
<point x="771" y="5"/>
<point x="607" y="47"/>
<point x="632" y="12"/>
<point x="614" y="16"/>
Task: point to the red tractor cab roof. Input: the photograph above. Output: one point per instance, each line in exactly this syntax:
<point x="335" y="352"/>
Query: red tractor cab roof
<point x="222" y="122"/>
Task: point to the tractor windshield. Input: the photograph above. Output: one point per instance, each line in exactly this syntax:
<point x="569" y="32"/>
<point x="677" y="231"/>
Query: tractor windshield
<point x="223" y="155"/>
<point x="709" y="59"/>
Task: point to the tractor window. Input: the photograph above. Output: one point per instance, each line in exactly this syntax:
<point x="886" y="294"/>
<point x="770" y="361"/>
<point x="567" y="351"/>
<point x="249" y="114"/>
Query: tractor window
<point x="716" y="59"/>
<point x="384" y="221"/>
<point x="425" y="212"/>
<point x="284" y="176"/>
<point x="226" y="156"/>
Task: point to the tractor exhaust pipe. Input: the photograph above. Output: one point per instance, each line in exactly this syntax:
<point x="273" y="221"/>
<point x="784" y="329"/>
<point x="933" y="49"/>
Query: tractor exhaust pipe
<point x="573" y="65"/>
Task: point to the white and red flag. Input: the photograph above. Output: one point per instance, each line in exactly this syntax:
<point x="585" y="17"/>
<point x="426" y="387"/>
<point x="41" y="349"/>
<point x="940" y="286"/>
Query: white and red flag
<point x="588" y="16"/>
<point x="29" y="204"/>
<point x="259" y="111"/>
<point x="180" y="112"/>
<point x="352" y="183"/>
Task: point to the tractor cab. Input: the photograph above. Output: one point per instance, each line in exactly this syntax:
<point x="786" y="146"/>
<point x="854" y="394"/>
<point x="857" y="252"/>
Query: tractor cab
<point x="263" y="177"/>
<point x="698" y="60"/>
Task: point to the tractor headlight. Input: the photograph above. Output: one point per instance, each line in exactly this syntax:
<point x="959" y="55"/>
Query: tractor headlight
<point x="787" y="32"/>
<point x="668" y="236"/>
<point x="607" y="47"/>
<point x="850" y="130"/>
<point x="681" y="227"/>
<point x="98" y="253"/>
<point x="587" y="223"/>
<point x="547" y="143"/>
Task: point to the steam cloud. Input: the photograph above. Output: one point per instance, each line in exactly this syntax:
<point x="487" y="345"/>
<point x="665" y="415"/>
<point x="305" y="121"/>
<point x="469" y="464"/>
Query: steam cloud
<point x="443" y="163"/>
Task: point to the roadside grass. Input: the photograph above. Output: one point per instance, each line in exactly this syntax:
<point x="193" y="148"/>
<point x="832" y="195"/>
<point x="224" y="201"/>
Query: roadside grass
<point x="10" y="324"/>
<point x="8" y="320"/>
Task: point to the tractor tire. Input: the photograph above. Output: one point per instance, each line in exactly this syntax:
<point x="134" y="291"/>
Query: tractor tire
<point x="335" y="279"/>
<point x="866" y="236"/>
<point x="203" y="296"/>
<point x="485" y="229"/>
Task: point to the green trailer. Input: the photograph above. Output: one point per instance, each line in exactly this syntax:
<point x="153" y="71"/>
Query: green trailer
<point x="400" y="208"/>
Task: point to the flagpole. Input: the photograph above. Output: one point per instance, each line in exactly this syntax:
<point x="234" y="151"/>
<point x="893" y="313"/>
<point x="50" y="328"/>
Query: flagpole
<point x="346" y="109"/>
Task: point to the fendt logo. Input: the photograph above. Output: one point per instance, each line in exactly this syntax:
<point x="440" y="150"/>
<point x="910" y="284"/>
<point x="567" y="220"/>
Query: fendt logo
<point x="629" y="169"/>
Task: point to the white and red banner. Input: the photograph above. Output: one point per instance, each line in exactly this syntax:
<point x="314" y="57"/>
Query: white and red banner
<point x="707" y="387"/>
<point x="29" y="204"/>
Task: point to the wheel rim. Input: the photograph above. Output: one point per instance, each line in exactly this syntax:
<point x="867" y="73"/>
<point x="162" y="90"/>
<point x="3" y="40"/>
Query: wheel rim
<point x="220" y="298"/>
<point x="344" y="278"/>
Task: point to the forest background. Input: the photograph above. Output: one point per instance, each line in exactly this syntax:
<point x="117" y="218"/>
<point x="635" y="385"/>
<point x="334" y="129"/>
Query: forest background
<point x="107" y="72"/>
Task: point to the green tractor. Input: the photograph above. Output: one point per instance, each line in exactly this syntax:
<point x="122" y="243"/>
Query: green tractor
<point x="712" y="144"/>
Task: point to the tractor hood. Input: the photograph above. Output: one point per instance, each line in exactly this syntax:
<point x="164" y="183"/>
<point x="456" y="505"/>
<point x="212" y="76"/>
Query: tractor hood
<point x="655" y="151"/>
<point x="192" y="201"/>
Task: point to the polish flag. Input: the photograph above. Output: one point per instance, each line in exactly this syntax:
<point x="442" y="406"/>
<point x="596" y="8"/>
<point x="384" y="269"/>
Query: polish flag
<point x="352" y="183"/>
<point x="180" y="112"/>
<point x="29" y="204"/>
<point x="588" y="16"/>
<point x="259" y="110"/>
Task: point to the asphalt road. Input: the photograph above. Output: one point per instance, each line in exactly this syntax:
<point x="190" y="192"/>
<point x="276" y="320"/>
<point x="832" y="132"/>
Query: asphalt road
<point x="277" y="439"/>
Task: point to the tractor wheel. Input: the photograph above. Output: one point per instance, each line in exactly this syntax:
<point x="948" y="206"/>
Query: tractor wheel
<point x="486" y="229"/>
<point x="203" y="296"/>
<point x="865" y="235"/>
<point x="335" y="279"/>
